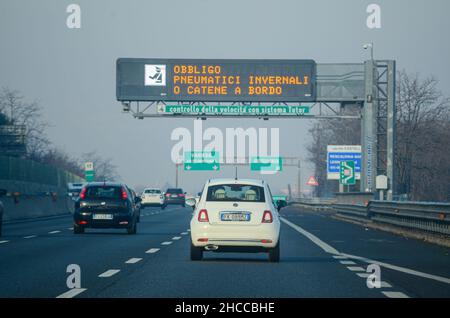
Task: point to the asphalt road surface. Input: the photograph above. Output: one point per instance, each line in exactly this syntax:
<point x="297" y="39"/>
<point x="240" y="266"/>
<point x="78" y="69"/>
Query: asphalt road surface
<point x="320" y="257"/>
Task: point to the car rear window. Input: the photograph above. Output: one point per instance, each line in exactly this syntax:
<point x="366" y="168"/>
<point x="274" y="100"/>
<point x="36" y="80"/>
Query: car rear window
<point x="175" y="191"/>
<point x="235" y="192"/>
<point x="108" y="192"/>
<point x="152" y="191"/>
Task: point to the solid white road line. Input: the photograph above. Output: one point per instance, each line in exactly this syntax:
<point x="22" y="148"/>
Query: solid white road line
<point x="394" y="294"/>
<point x="152" y="250"/>
<point x="2" y="242"/>
<point x="356" y="269"/>
<point x="133" y="260"/>
<point x="327" y="248"/>
<point x="109" y="273"/>
<point x="54" y="232"/>
<point x="29" y="236"/>
<point x="347" y="263"/>
<point x="72" y="293"/>
<point x="339" y="257"/>
<point x="176" y="238"/>
<point x="166" y="243"/>
<point x="401" y="269"/>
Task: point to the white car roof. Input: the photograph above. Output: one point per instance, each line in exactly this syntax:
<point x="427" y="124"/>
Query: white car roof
<point x="152" y="189"/>
<point x="255" y="182"/>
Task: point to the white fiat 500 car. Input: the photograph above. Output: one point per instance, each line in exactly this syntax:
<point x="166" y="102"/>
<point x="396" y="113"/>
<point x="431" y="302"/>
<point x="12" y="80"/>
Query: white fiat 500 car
<point x="235" y="215"/>
<point x="152" y="197"/>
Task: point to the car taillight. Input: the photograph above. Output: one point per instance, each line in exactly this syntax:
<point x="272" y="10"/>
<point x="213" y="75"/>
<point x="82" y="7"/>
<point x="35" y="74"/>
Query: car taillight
<point x="181" y="195"/>
<point x="124" y="194"/>
<point x="83" y="193"/>
<point x="267" y="217"/>
<point x="203" y="216"/>
<point x="167" y="195"/>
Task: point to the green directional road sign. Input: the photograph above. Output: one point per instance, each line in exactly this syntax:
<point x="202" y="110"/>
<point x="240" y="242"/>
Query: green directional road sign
<point x="89" y="173"/>
<point x="201" y="160"/>
<point x="266" y="163"/>
<point x="89" y="176"/>
<point x="279" y="197"/>
<point x="347" y="173"/>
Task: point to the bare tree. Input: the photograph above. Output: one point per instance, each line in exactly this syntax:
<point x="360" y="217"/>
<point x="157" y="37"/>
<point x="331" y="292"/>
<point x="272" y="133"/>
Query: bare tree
<point x="104" y="169"/>
<point x="19" y="112"/>
<point x="59" y="159"/>
<point x="423" y="136"/>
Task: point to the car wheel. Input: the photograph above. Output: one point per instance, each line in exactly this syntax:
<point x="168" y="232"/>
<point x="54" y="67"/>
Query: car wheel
<point x="274" y="253"/>
<point x="132" y="229"/>
<point x="78" y="229"/>
<point x="183" y="205"/>
<point x="196" y="253"/>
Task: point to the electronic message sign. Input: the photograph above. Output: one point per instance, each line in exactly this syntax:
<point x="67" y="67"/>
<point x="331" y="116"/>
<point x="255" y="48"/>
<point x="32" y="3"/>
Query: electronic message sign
<point x="215" y="80"/>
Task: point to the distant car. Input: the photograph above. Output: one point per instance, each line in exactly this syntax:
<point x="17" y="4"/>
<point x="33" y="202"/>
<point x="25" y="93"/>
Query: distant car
<point x="152" y="197"/>
<point x="2" y="209"/>
<point x="175" y="196"/>
<point x="106" y="205"/>
<point x="138" y="203"/>
<point x="235" y="215"/>
<point x="74" y="189"/>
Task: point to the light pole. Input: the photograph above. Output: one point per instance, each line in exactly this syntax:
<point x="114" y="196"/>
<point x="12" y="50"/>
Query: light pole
<point x="367" y="46"/>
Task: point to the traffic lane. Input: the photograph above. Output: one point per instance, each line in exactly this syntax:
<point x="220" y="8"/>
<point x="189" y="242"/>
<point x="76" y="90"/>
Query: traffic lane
<point x="37" y="267"/>
<point x="304" y="271"/>
<point x="383" y="247"/>
<point x="18" y="229"/>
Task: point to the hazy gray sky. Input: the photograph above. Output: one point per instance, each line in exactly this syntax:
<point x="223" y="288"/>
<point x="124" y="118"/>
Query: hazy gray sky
<point x="72" y="72"/>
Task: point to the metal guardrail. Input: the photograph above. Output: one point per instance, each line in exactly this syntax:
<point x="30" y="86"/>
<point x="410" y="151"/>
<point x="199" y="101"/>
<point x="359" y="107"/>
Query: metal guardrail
<point x="432" y="217"/>
<point x="359" y="211"/>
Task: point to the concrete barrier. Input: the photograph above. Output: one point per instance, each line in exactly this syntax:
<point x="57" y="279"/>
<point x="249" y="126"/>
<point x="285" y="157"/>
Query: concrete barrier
<point x="34" y="206"/>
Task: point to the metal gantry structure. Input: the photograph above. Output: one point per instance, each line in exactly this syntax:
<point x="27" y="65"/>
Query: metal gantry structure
<point x="369" y="85"/>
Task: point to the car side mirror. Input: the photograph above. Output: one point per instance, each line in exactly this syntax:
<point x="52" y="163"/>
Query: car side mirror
<point x="191" y="202"/>
<point x="3" y="192"/>
<point x="280" y="204"/>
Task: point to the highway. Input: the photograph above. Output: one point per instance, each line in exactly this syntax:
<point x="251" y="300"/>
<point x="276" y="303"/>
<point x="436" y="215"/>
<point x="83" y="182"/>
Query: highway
<point x="320" y="257"/>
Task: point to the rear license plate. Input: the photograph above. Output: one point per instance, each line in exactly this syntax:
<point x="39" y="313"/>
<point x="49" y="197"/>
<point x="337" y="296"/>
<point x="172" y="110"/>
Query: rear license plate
<point x="174" y="196"/>
<point x="102" y="216"/>
<point x="235" y="216"/>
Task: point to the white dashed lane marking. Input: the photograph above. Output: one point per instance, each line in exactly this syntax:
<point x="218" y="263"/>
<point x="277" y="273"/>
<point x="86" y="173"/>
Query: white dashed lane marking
<point x="394" y="294"/>
<point x="166" y="243"/>
<point x="347" y="263"/>
<point x="109" y="273"/>
<point x="72" y="293"/>
<point x="339" y="257"/>
<point x="29" y="237"/>
<point x="176" y="238"/>
<point x="152" y="250"/>
<point x="133" y="260"/>
<point x="70" y="228"/>
<point x="54" y="232"/>
<point x="2" y="242"/>
<point x="356" y="269"/>
<point x="363" y="275"/>
<point x="184" y="233"/>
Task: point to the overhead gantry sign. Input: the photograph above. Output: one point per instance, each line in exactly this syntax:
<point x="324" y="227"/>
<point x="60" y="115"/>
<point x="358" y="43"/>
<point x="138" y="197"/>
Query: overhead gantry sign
<point x="173" y="80"/>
